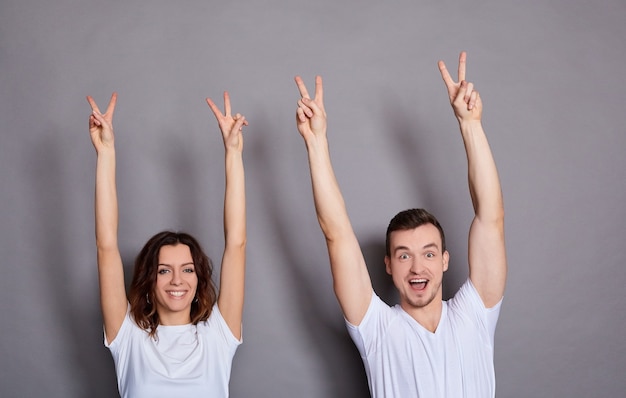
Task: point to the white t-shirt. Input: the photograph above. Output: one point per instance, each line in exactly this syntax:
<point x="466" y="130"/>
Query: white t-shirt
<point x="184" y="360"/>
<point x="403" y="359"/>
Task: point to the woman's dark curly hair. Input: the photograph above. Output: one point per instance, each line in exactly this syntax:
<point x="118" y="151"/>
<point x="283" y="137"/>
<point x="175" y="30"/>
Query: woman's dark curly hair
<point x="141" y="295"/>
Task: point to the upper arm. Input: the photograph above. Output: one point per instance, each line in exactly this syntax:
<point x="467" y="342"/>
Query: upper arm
<point x="351" y="280"/>
<point x="487" y="259"/>
<point x="232" y="284"/>
<point x="113" y="299"/>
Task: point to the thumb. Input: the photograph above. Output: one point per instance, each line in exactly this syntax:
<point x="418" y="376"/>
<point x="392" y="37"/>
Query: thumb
<point x="460" y="95"/>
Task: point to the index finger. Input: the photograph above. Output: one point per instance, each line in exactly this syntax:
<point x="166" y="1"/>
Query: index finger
<point x="302" y="88"/>
<point x="445" y="75"/>
<point x="93" y="105"/>
<point x="462" y="62"/>
<point x="214" y="108"/>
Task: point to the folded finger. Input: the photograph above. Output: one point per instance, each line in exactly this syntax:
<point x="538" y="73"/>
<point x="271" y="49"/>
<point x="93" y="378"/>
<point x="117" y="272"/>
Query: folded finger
<point x="98" y="118"/>
<point x="473" y="100"/>
<point x="305" y="107"/>
<point x="300" y="115"/>
<point x="239" y="124"/>
<point x="459" y="100"/>
<point x="468" y="91"/>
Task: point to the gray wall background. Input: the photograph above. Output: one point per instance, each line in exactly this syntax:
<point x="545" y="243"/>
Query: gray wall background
<point x="551" y="74"/>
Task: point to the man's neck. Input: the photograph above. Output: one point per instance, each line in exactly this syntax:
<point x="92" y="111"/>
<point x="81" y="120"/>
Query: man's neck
<point x="429" y="316"/>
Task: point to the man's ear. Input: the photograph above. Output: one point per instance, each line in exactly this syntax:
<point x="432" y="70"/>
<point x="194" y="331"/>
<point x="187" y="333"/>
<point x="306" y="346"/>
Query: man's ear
<point x="446" y="260"/>
<point x="388" y="264"/>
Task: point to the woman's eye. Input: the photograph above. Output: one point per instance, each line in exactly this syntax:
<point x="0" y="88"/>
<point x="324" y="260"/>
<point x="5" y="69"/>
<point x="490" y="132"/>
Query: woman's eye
<point x="163" y="271"/>
<point x="188" y="270"/>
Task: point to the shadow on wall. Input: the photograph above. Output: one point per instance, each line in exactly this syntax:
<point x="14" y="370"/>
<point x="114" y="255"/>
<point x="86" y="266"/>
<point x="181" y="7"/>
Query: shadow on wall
<point x="414" y="145"/>
<point x="374" y="253"/>
<point x="88" y="362"/>
<point x="345" y="376"/>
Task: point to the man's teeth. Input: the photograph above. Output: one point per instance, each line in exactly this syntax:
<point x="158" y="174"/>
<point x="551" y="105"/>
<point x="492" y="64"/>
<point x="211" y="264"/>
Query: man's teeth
<point x="418" y="281"/>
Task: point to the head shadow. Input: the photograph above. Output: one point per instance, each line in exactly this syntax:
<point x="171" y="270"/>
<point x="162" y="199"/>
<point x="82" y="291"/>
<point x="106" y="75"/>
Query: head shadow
<point x="60" y="261"/>
<point x="303" y="263"/>
<point x="412" y="144"/>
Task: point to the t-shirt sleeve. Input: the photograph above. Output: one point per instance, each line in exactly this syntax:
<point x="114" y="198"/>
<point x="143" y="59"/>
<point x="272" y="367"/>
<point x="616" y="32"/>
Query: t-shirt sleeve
<point x="469" y="302"/>
<point x="217" y="321"/>
<point x="367" y="334"/>
<point x="122" y="334"/>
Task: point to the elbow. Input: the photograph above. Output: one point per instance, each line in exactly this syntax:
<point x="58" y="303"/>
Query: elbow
<point x="237" y="244"/>
<point x="493" y="214"/>
<point x="106" y="245"/>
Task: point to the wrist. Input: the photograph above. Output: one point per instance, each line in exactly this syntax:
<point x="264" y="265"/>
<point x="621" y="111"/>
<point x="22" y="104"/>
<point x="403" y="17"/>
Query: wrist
<point x="316" y="143"/>
<point x="105" y="151"/>
<point x="233" y="154"/>
<point x="469" y="124"/>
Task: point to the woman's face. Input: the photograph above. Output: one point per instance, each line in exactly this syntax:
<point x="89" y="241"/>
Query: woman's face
<point x="176" y="284"/>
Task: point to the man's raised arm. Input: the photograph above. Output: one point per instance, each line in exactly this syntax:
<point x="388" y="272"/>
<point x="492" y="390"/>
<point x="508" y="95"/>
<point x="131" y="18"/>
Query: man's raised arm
<point x="487" y="253"/>
<point x="352" y="283"/>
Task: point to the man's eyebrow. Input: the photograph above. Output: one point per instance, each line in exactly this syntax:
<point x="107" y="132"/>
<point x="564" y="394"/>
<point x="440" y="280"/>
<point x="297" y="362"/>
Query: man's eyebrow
<point x="398" y="248"/>
<point x="426" y="246"/>
<point x="430" y="246"/>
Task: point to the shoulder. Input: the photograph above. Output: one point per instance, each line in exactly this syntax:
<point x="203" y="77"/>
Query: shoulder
<point x="467" y="295"/>
<point x="378" y="315"/>
<point x="467" y="306"/>
<point x="216" y="326"/>
<point x="128" y="328"/>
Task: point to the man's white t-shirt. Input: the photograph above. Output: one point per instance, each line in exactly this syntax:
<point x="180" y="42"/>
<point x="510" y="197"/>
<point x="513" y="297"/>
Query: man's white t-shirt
<point x="403" y="359"/>
<point x="185" y="360"/>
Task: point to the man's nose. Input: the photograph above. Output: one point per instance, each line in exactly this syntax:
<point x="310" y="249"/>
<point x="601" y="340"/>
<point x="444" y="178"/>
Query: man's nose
<point x="416" y="266"/>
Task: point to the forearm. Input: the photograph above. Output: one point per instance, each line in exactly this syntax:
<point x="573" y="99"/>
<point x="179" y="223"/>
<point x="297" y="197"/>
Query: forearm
<point x="106" y="207"/>
<point x="484" y="183"/>
<point x="235" y="201"/>
<point x="329" y="203"/>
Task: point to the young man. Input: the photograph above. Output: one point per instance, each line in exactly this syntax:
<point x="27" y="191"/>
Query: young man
<point x="423" y="347"/>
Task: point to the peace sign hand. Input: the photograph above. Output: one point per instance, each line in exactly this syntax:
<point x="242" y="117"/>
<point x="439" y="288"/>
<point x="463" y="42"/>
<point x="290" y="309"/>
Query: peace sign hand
<point x="310" y="115"/>
<point x="464" y="99"/>
<point x="231" y="126"/>
<point x="101" y="124"/>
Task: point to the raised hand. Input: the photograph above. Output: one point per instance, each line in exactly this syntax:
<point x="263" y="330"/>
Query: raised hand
<point x="231" y="126"/>
<point x="464" y="99"/>
<point x="101" y="125"/>
<point x="310" y="115"/>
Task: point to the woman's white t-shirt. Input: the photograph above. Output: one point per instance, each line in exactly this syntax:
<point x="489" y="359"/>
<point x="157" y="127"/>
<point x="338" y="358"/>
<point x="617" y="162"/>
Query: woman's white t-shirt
<point x="184" y="360"/>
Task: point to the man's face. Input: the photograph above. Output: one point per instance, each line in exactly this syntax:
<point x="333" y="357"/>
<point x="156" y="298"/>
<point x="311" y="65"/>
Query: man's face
<point x="416" y="265"/>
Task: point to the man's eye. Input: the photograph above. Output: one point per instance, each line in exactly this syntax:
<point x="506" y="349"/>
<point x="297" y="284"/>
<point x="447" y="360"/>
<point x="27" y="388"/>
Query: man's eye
<point x="430" y="255"/>
<point x="404" y="256"/>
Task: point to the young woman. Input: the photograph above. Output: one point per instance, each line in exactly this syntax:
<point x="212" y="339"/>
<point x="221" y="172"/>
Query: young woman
<point x="174" y="334"/>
